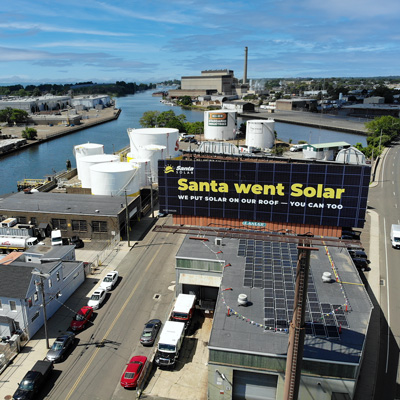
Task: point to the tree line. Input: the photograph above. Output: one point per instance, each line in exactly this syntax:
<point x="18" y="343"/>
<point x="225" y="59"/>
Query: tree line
<point x="117" y="89"/>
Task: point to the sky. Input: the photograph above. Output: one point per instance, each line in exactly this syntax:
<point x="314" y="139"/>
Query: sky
<point x="152" y="41"/>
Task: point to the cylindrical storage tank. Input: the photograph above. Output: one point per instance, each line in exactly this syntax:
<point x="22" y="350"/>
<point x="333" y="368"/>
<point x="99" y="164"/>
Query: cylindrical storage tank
<point x="86" y="149"/>
<point x="219" y="125"/>
<point x="168" y="137"/>
<point x="155" y="153"/>
<point x="112" y="179"/>
<point x="260" y="133"/>
<point x="144" y="170"/>
<point x="88" y="161"/>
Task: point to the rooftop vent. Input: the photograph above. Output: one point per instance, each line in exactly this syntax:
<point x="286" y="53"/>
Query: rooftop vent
<point x="242" y="300"/>
<point x="327" y="277"/>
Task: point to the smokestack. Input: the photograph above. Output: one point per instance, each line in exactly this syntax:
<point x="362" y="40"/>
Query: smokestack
<point x="245" y="66"/>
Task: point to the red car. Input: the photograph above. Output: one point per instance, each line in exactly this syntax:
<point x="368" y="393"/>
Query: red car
<point x="81" y="318"/>
<point x="134" y="372"/>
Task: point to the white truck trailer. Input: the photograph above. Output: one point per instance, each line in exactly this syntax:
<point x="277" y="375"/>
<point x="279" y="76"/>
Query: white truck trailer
<point x="183" y="308"/>
<point x="19" y="243"/>
<point x="395" y="236"/>
<point x="170" y="343"/>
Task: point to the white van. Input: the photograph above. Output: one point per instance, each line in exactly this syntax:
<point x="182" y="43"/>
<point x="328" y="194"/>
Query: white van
<point x="56" y="238"/>
<point x="9" y="222"/>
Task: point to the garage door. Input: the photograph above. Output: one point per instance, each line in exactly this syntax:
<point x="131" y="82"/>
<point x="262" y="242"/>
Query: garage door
<point x="253" y="386"/>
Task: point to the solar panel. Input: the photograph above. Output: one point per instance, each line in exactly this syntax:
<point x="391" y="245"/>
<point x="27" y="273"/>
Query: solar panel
<point x="272" y="266"/>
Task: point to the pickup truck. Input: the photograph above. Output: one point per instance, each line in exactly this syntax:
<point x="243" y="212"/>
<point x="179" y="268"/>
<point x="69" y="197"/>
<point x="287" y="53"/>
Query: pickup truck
<point x="33" y="381"/>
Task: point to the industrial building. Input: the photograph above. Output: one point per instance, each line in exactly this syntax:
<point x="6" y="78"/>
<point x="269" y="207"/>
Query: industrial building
<point x="249" y="339"/>
<point x="90" y="217"/>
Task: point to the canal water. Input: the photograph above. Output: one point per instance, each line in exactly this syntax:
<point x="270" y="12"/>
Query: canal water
<point x="49" y="157"/>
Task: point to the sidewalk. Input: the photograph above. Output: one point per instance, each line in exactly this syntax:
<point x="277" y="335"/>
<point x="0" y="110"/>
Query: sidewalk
<point x="36" y="347"/>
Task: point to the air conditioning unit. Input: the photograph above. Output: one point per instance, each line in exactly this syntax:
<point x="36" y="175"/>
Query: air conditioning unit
<point x="218" y="241"/>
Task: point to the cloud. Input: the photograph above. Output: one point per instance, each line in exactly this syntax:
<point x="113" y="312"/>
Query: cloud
<point x="59" y="29"/>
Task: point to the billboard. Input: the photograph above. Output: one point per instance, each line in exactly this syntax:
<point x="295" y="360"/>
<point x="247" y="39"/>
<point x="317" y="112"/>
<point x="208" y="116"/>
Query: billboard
<point x="312" y="194"/>
<point x="217" y="119"/>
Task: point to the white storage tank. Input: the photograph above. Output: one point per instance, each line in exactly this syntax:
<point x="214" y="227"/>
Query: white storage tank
<point x="168" y="137"/>
<point x="86" y="149"/>
<point x="219" y="125"/>
<point x="88" y="161"/>
<point x="154" y="153"/>
<point x="112" y="179"/>
<point x="260" y="133"/>
<point x="144" y="170"/>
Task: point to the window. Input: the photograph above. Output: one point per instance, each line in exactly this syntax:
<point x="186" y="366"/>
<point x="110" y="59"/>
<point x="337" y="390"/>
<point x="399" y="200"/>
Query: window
<point x="33" y="221"/>
<point x="50" y="283"/>
<point x="79" y="225"/>
<point x="30" y="302"/>
<point x="35" y="297"/>
<point x="13" y="305"/>
<point x="99" y="226"/>
<point x="58" y="276"/>
<point x="59" y="224"/>
<point x="21" y="220"/>
<point x="35" y="316"/>
<point x="1" y="305"/>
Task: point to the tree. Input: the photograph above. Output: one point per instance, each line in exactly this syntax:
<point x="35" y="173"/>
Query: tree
<point x="168" y="119"/>
<point x="185" y="100"/>
<point x="29" y="133"/>
<point x="386" y="125"/>
<point x="194" y="128"/>
<point x="5" y="115"/>
<point x="19" y="116"/>
<point x="149" y="119"/>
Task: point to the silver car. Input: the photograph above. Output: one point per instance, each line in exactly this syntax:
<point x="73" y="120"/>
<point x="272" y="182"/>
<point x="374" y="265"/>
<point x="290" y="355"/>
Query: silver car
<point x="150" y="332"/>
<point x="60" y="347"/>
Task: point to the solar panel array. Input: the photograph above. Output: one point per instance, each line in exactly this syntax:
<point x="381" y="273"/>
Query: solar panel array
<point x="271" y="266"/>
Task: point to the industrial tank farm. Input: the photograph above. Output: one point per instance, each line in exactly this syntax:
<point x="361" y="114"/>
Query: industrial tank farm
<point x="86" y="149"/>
<point x="168" y="137"/>
<point x="89" y="161"/>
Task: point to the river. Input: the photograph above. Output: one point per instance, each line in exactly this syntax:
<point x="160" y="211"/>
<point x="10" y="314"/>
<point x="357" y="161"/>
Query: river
<point x="49" y="157"/>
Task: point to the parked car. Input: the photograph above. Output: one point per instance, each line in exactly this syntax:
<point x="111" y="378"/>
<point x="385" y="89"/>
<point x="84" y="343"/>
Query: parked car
<point x="358" y="254"/>
<point x="77" y="241"/>
<point x="150" y="332"/>
<point x="97" y="298"/>
<point x="109" y="280"/>
<point x="81" y="318"/>
<point x="362" y="264"/>
<point x="133" y="372"/>
<point x="60" y="347"/>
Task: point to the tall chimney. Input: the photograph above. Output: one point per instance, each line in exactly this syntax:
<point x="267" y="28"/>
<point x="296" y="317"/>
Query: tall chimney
<point x="245" y="66"/>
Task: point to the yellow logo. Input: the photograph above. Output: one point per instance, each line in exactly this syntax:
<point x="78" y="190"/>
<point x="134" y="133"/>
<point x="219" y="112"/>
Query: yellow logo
<point x="168" y="169"/>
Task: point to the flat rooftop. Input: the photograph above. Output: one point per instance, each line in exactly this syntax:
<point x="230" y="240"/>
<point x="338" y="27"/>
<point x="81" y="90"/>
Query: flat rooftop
<point x="62" y="203"/>
<point x="337" y="315"/>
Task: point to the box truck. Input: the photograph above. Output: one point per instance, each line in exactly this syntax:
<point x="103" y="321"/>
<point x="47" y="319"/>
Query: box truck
<point x="395" y="236"/>
<point x="170" y="343"/>
<point x="19" y="243"/>
<point x="183" y="308"/>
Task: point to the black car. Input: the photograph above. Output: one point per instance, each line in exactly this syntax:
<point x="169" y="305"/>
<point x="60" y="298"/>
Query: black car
<point x="150" y="332"/>
<point x="77" y="241"/>
<point x="362" y="264"/>
<point x="358" y="254"/>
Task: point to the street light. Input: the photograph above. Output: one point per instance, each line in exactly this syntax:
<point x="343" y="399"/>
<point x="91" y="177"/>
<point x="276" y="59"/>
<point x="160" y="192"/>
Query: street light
<point x="41" y="285"/>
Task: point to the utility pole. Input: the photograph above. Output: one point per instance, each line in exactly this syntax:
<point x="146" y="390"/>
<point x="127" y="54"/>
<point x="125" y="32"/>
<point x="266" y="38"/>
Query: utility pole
<point x="297" y="325"/>
<point x="127" y="219"/>
<point x="41" y="286"/>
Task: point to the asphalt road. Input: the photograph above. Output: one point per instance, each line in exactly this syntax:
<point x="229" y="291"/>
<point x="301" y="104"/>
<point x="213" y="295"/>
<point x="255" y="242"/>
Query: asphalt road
<point x="385" y="200"/>
<point x="94" y="368"/>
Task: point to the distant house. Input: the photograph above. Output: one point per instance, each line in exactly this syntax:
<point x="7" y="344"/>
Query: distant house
<point x="296" y="104"/>
<point x="324" y="151"/>
<point x="239" y="106"/>
<point x="21" y="303"/>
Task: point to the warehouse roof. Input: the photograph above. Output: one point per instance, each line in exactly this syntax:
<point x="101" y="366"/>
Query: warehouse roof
<point x="62" y="203"/>
<point x="338" y="312"/>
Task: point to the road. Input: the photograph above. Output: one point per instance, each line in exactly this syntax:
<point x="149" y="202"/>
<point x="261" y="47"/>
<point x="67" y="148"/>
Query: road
<point x="94" y="368"/>
<point x="385" y="200"/>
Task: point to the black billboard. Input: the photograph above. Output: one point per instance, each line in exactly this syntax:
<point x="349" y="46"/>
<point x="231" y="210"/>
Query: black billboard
<point x="313" y="194"/>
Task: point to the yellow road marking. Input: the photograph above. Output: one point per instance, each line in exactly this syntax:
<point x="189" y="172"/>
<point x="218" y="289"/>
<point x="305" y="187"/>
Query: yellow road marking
<point x="111" y="326"/>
